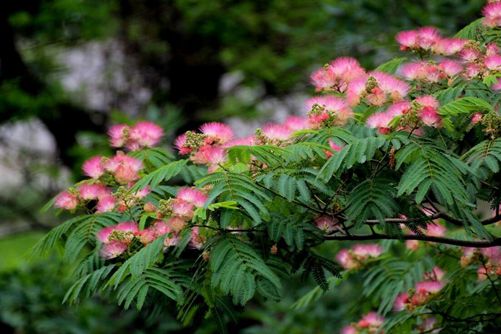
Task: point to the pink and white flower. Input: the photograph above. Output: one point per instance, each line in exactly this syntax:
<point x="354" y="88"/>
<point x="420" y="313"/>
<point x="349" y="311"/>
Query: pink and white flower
<point x="492" y="14"/>
<point x="125" y="169"/>
<point x="144" y="134"/>
<point x="93" y="167"/>
<point x="66" y="200"/>
<point x="217" y="133"/>
<point x="193" y="196"/>
<point x="119" y="134"/>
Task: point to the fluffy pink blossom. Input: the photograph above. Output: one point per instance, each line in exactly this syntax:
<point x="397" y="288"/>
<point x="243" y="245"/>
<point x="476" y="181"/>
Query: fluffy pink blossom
<point x="469" y="54"/>
<point x="119" y="134"/>
<point x="476" y="118"/>
<point x="93" y="191"/>
<point x="430" y="117"/>
<point x="217" y="132"/>
<point x="93" y="167"/>
<point x="246" y="141"/>
<point x="388" y="88"/>
<point x="105" y="204"/>
<point x="66" y="200"/>
<point x="337" y="74"/>
<point x="196" y="241"/>
<point x="435" y="230"/>
<point x="356" y="90"/>
<point x="182" y="209"/>
<point x="277" y="132"/>
<point x="401" y="301"/>
<point x="180" y="144"/>
<point x="334" y="147"/>
<point x="429" y="286"/>
<point x="382" y="120"/>
<point x="193" y="196"/>
<point x="371" y="320"/>
<point x="295" y="123"/>
<point x="325" y="223"/>
<point x="472" y="70"/>
<point x="422" y="71"/>
<point x="104" y="234"/>
<point x="449" y="46"/>
<point x="450" y="67"/>
<point x="349" y="330"/>
<point x="209" y="155"/>
<point x="113" y="249"/>
<point x="354" y="258"/>
<point x="142" y="193"/>
<point x="367" y="250"/>
<point x="428" y="113"/>
<point x="125" y="169"/>
<point x="328" y="107"/>
<point x="395" y="88"/>
<point x="492" y="49"/>
<point x="346" y="69"/>
<point x="144" y="134"/>
<point x="147" y="235"/>
<point x="423" y="38"/>
<point x="161" y="228"/>
<point x="176" y="224"/>
<point x="492" y="14"/>
<point x="436" y="274"/>
<point x="127" y="227"/>
<point x="497" y="85"/>
<point x="493" y="62"/>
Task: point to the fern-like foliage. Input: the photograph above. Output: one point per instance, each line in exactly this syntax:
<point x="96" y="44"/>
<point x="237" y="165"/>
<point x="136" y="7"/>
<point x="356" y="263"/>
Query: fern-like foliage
<point x="240" y="188"/>
<point x="358" y="151"/>
<point x="372" y="198"/>
<point x="236" y="267"/>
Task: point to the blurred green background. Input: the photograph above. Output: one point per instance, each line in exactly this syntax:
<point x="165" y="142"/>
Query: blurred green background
<point x="70" y="68"/>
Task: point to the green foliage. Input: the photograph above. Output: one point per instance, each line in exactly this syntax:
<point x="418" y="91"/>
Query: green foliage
<point x="237" y="269"/>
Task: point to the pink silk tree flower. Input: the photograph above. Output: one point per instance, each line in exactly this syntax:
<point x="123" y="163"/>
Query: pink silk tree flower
<point x="323" y="108"/>
<point x="66" y="200"/>
<point x="493" y="62"/>
<point x="371" y="320"/>
<point x="349" y="330"/>
<point x="208" y="154"/>
<point x="176" y="224"/>
<point x="476" y="118"/>
<point x="93" y="167"/>
<point x="93" y="191"/>
<point x="337" y="75"/>
<point x="119" y="134"/>
<point x="492" y="14"/>
<point x="192" y="195"/>
<point x="144" y="134"/>
<point x="401" y="302"/>
<point x="113" y="249"/>
<point x="180" y="144"/>
<point x="125" y="169"/>
<point x="449" y="46"/>
<point x="325" y="223"/>
<point x="367" y="250"/>
<point x="182" y="209"/>
<point x="196" y="241"/>
<point x="218" y="133"/>
<point x="277" y="132"/>
<point x="105" y="204"/>
<point x="295" y="123"/>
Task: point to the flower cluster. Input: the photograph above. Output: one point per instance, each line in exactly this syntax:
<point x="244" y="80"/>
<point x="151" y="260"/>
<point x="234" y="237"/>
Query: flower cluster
<point x="369" y="324"/>
<point x="141" y="135"/>
<point x="423" y="291"/>
<point x="173" y="216"/>
<point x="116" y="239"/>
<point x="488" y="260"/>
<point x="337" y="75"/>
<point x="358" y="255"/>
<point x="428" y="39"/>
<point x="492" y="14"/>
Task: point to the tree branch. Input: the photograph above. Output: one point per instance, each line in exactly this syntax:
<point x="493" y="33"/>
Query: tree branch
<point x="441" y="240"/>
